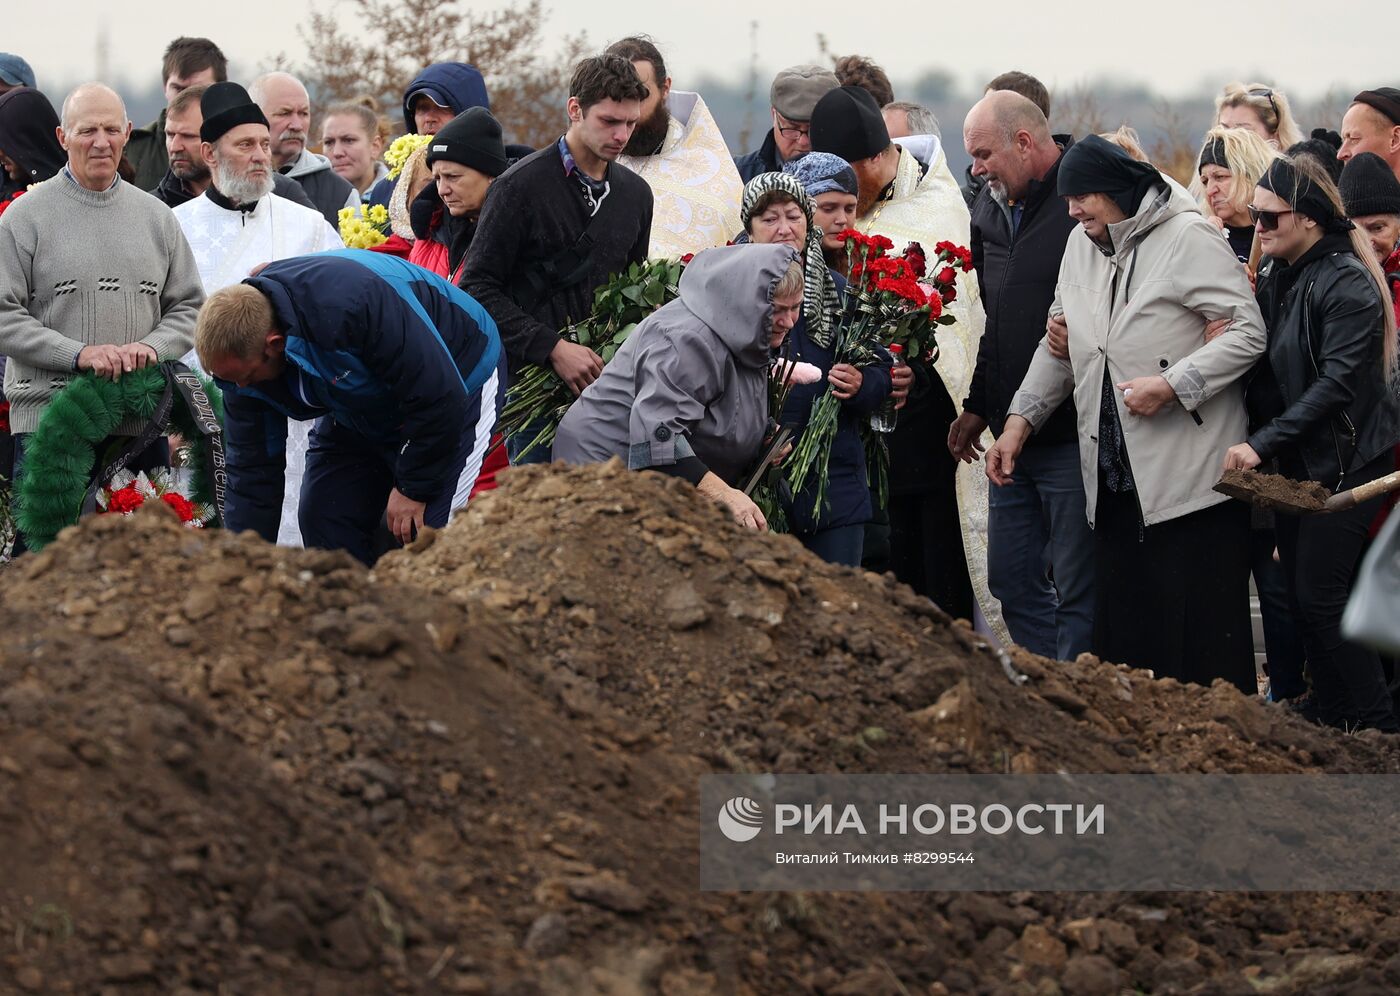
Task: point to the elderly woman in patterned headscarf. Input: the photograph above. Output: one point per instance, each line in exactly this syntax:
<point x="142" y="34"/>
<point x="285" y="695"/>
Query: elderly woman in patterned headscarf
<point x="776" y="209"/>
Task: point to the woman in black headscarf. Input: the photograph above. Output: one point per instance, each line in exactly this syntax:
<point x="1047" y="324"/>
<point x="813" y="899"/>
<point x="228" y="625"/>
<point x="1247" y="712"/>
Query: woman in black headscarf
<point x="1323" y="403"/>
<point x="29" y="146"/>
<point x="1156" y="405"/>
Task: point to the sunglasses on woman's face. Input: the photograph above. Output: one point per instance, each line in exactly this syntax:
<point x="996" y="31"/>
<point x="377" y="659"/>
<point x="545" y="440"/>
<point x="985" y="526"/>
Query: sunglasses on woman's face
<point x="1266" y="220"/>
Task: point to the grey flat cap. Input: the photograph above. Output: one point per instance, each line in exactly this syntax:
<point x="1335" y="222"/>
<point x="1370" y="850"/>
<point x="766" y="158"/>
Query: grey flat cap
<point x="797" y="89"/>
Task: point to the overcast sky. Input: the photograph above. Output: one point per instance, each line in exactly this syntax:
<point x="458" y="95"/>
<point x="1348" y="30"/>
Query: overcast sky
<point x="1305" y="48"/>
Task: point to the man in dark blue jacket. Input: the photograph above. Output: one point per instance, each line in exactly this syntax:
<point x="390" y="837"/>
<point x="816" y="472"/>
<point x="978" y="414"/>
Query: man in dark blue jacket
<point x="403" y="370"/>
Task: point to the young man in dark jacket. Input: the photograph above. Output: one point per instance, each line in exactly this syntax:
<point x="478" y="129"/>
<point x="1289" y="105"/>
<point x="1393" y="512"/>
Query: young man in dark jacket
<point x="559" y="223"/>
<point x="400" y="367"/>
<point x="1019" y="230"/>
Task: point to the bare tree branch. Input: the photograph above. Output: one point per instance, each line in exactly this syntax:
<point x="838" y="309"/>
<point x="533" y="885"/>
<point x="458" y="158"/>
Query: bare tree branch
<point x="395" y="39"/>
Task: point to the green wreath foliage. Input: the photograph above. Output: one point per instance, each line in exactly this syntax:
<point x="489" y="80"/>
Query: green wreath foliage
<point x="59" y="456"/>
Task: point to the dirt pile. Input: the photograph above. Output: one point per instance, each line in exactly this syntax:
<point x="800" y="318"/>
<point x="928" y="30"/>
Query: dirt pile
<point x="649" y="613"/>
<point x="230" y="768"/>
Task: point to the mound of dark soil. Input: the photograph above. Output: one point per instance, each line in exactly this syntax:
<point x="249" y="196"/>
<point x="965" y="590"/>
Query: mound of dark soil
<point x="230" y="768"/>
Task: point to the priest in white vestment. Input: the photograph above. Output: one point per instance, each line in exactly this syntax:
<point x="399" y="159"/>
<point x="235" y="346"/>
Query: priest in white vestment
<point x="679" y="150"/>
<point x="239" y="224"/>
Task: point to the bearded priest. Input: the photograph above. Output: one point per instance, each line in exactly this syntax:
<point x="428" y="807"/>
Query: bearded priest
<point x="678" y="149"/>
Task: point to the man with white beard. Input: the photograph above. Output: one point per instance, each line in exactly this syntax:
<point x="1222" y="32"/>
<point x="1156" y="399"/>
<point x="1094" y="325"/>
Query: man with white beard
<point x="188" y="176"/>
<point x="239" y="225"/>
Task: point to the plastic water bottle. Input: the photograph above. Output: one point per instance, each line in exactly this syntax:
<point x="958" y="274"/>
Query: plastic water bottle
<point x="884" y="419"/>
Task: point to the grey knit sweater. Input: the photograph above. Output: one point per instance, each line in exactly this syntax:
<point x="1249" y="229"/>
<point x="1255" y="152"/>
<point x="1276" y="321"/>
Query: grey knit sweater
<point x="83" y="268"/>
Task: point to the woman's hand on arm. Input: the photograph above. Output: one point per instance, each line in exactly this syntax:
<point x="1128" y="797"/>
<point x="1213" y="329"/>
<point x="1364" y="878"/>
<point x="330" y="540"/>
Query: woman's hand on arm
<point x="1057" y="337"/>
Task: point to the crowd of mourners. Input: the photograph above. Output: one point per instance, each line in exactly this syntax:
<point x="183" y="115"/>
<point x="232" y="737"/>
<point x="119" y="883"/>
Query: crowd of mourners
<point x="1116" y="344"/>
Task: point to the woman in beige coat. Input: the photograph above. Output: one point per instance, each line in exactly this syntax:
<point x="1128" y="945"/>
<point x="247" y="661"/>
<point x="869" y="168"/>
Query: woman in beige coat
<point x="1140" y="280"/>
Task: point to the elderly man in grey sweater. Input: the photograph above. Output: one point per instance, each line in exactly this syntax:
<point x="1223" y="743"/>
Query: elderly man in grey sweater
<point x="94" y="273"/>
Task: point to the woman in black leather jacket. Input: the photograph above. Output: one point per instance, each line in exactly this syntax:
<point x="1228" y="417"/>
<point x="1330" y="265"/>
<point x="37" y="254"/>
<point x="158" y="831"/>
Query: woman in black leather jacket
<point x="1324" y="404"/>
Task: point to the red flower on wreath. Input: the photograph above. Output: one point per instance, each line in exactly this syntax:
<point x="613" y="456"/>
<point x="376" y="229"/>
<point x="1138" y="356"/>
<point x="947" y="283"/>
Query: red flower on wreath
<point x="183" y="507"/>
<point x="947" y="276"/>
<point x="125" y="500"/>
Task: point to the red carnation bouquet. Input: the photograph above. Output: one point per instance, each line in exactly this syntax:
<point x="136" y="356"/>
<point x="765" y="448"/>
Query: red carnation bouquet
<point x="909" y="294"/>
<point x="886" y="302"/>
<point x="127" y="492"/>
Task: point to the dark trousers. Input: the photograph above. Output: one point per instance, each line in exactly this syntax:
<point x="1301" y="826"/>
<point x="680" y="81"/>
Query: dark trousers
<point x="1320" y="554"/>
<point x="1283" y="644"/>
<point x="347" y="484"/>
<point x="926" y="549"/>
<point x="1174" y="596"/>
<point x="840" y="545"/>
<point x="1040" y="552"/>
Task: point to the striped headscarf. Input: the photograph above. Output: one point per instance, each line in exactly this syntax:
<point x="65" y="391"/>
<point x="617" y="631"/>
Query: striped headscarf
<point x="819" y="301"/>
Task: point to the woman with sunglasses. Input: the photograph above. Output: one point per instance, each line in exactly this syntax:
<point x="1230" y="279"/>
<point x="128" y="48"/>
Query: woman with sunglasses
<point x="1261" y="109"/>
<point x="1323" y="403"/>
<point x="1230" y="164"/>
<point x="1156" y="405"/>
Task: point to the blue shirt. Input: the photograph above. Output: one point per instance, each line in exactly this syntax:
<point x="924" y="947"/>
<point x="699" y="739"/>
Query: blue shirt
<point x="594" y="191"/>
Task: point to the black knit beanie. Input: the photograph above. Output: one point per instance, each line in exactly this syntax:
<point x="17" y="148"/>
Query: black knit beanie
<point x="225" y="106"/>
<point x="472" y="138"/>
<point x="847" y="123"/>
<point x="1385" y="99"/>
<point x="1369" y="186"/>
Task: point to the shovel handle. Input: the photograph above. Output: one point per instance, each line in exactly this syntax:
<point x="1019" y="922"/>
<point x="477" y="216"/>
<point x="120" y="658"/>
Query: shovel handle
<point x="1364" y="492"/>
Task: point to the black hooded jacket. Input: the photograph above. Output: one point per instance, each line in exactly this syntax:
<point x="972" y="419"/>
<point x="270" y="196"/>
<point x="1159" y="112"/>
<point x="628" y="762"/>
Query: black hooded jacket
<point x="27" y="123"/>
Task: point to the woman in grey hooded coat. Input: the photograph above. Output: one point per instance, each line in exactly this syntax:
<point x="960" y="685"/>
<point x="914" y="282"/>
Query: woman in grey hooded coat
<point x="687" y="394"/>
